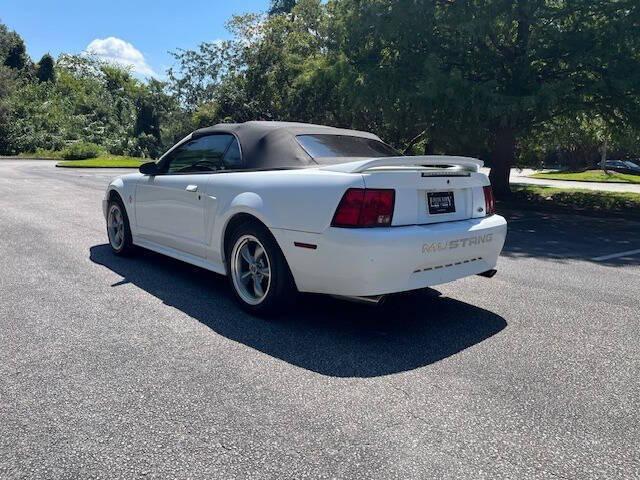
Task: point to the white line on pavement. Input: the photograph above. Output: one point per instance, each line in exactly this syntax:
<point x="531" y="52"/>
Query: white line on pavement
<point x="616" y="255"/>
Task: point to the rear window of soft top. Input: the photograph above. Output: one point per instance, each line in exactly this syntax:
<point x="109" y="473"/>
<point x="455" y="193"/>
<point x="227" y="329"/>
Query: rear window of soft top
<point x="334" y="146"/>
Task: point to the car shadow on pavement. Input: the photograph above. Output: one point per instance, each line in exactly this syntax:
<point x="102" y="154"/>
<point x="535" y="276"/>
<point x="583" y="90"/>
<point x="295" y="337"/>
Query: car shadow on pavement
<point x="322" y="334"/>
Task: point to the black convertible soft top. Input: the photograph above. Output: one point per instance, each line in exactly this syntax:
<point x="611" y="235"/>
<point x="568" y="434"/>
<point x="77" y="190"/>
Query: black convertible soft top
<point x="268" y="145"/>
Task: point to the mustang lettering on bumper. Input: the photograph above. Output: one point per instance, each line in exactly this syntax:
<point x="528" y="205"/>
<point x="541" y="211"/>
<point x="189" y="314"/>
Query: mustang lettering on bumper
<point x="460" y="243"/>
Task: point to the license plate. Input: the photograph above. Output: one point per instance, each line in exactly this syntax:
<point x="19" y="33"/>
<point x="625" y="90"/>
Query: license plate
<point x="440" y="202"/>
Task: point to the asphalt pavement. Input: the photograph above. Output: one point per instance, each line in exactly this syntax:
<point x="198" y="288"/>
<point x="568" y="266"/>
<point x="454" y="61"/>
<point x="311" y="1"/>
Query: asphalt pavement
<point x="143" y="367"/>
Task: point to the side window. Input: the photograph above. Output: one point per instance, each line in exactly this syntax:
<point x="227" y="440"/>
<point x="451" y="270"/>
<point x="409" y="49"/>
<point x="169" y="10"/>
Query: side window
<point x="203" y="154"/>
<point x="233" y="158"/>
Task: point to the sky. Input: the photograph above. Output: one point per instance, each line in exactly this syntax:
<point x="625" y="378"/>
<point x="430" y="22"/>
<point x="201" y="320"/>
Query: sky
<point x="139" y="33"/>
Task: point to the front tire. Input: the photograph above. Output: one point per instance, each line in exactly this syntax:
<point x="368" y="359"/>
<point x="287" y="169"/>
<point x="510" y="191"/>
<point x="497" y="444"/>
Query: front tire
<point x="257" y="270"/>
<point x="118" y="229"/>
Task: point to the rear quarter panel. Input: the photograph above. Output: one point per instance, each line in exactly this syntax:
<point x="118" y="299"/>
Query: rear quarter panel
<point x="300" y="200"/>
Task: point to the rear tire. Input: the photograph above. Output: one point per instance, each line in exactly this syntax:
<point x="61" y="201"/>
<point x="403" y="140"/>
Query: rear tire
<point x="118" y="229"/>
<point x="258" y="273"/>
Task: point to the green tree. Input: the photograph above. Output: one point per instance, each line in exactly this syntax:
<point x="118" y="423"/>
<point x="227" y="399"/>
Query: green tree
<point x="479" y="76"/>
<point x="16" y="55"/>
<point x="153" y="109"/>
<point x="281" y="6"/>
<point x="46" y="69"/>
<point x="78" y="106"/>
<point x="7" y="87"/>
<point x="12" y="49"/>
<point x="524" y="63"/>
<point x="576" y="141"/>
<point x="261" y="73"/>
<point x="505" y="81"/>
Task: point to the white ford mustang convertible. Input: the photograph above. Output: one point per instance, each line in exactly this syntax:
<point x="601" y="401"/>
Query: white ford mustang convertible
<point x="287" y="207"/>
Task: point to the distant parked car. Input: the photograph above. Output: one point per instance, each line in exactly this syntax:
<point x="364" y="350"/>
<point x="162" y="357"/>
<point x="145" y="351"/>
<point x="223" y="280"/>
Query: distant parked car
<point x="623" y="166"/>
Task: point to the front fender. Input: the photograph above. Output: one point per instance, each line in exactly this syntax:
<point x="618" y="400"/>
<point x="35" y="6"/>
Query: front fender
<point x="126" y="191"/>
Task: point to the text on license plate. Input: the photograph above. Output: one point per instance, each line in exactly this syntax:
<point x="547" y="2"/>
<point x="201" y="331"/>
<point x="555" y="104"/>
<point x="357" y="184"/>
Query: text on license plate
<point x="440" y="202"/>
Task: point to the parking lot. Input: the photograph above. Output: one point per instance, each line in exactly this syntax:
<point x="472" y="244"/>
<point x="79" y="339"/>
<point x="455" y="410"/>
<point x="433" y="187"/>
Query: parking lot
<point x="144" y="367"/>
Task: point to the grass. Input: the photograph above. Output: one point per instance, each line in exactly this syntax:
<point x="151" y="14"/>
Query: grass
<point x="589" y="176"/>
<point x="102" y="161"/>
<point x="575" y="199"/>
<point x="106" y="161"/>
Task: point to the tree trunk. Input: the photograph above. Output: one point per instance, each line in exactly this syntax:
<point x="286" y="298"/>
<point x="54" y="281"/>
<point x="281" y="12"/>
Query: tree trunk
<point x="429" y="148"/>
<point x="502" y="158"/>
<point x="603" y="157"/>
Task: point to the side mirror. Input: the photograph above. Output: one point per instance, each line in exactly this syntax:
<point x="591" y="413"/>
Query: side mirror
<point x="149" y="168"/>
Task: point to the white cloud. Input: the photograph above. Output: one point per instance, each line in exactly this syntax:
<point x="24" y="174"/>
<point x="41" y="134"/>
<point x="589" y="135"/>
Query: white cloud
<point x="116" y="50"/>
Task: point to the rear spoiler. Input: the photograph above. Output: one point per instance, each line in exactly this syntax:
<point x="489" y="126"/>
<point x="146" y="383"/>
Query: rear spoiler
<point x="465" y="163"/>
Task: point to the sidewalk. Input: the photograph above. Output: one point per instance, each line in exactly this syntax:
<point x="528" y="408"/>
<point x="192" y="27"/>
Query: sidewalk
<point x="520" y="177"/>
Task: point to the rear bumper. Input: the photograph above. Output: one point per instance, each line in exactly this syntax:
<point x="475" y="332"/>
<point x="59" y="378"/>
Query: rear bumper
<point x="378" y="261"/>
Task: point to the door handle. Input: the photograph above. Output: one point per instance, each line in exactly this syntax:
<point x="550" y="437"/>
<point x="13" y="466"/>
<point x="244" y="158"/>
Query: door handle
<point x="192" y="188"/>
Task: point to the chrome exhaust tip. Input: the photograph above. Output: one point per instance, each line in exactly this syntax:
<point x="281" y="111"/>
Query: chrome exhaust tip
<point x="488" y="274"/>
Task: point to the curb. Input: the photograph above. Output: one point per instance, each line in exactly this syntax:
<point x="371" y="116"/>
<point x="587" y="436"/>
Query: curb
<point x="576" y="181"/>
<point x="94" y="168"/>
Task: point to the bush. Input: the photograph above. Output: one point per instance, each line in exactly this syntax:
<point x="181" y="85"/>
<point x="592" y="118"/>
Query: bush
<point x="575" y="200"/>
<point x="82" y="151"/>
<point x="42" y="153"/>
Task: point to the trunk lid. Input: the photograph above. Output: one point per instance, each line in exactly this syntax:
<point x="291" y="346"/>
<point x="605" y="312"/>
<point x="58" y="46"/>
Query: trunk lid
<point x="429" y="189"/>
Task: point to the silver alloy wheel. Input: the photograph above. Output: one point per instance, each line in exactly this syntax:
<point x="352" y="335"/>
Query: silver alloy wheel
<point x="115" y="227"/>
<point x="250" y="269"/>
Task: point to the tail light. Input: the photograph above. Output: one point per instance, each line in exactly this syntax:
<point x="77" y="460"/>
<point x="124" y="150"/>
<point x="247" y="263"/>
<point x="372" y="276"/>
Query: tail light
<point x="489" y="200"/>
<point x="365" y="207"/>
